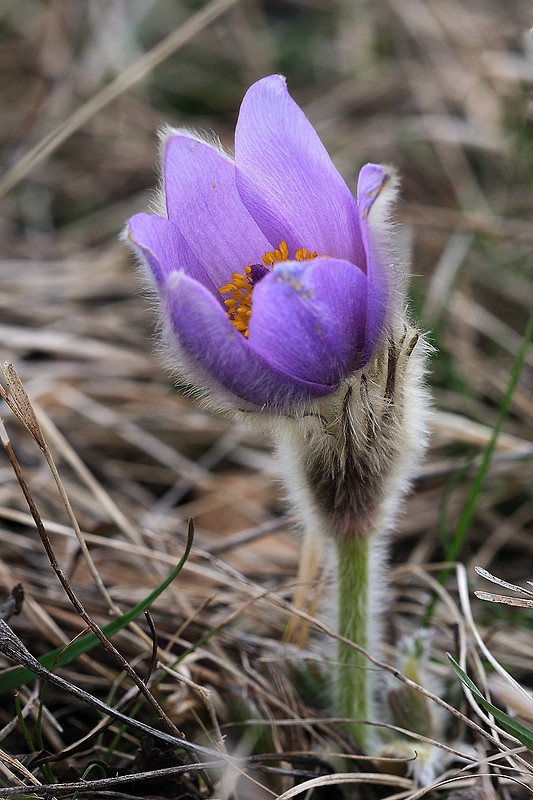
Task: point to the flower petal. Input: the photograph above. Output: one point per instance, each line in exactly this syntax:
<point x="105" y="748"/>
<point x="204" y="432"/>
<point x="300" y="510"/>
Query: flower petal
<point x="376" y="188"/>
<point x="310" y="319"/>
<point x="218" y="355"/>
<point x="287" y="179"/>
<point x="164" y="249"/>
<point x="203" y="201"/>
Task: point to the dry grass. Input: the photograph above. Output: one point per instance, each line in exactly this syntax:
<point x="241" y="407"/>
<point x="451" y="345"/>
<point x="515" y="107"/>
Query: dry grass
<point x="440" y="89"/>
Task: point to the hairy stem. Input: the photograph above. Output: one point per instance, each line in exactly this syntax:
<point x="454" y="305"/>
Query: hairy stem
<point x="354" y="684"/>
<point x="347" y="465"/>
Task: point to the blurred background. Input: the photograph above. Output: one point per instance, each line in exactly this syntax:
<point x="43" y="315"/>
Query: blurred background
<point x="439" y="88"/>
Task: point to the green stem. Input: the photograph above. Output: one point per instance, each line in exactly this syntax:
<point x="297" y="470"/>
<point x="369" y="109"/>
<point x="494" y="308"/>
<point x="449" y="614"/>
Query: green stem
<point x="354" y="670"/>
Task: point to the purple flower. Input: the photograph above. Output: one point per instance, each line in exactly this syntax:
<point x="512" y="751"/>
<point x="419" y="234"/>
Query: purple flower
<point x="274" y="281"/>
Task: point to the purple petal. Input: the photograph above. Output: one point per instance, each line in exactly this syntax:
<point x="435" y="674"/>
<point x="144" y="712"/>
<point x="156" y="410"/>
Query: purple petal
<point x="165" y="250"/>
<point x="309" y="319"/>
<point x="203" y="201"/>
<point x="287" y="179"/>
<point x="374" y="182"/>
<point x="216" y="350"/>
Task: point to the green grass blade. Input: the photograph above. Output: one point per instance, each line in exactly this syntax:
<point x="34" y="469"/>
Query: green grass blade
<point x="471" y="501"/>
<point x="16" y="677"/>
<point x="455" y="546"/>
<point x="510" y="725"/>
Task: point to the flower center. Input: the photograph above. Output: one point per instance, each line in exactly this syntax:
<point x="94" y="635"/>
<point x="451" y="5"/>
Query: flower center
<point x="239" y="303"/>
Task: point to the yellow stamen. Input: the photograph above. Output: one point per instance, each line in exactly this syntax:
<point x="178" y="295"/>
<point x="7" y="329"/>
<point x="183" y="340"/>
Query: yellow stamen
<point x="305" y="255"/>
<point x="280" y="255"/>
<point x="239" y="303"/>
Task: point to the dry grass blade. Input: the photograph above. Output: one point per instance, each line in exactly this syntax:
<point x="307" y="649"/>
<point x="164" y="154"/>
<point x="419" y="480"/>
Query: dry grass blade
<point x="128" y="78"/>
<point x="518" y="602"/>
<point x="12" y="768"/>
<point x="367" y="778"/>
<point x="506" y="585"/>
<point x="103" y="497"/>
<point x="19" y="402"/>
<point x="478" y="223"/>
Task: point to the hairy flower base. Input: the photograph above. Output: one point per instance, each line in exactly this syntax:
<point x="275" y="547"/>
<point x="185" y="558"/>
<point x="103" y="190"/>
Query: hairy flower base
<point x="239" y="303"/>
<point x="351" y="462"/>
<point x="351" y="487"/>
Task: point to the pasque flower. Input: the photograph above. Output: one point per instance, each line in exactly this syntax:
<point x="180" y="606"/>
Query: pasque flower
<point x="274" y="282"/>
<point x="280" y="294"/>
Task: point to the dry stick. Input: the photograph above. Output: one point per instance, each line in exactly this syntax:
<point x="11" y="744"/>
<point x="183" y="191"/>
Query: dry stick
<point x="6" y="759"/>
<point x="153" y="658"/>
<point x="83" y="786"/>
<point x="130" y="76"/>
<point x="69" y="591"/>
